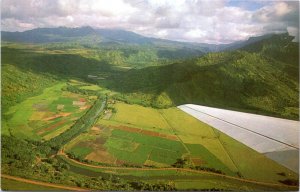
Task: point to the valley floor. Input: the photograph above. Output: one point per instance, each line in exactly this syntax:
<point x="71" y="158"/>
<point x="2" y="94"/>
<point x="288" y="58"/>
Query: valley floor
<point x="135" y="143"/>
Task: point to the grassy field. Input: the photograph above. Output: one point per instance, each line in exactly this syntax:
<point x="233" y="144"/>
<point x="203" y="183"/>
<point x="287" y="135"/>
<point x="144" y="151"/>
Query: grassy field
<point x="257" y="167"/>
<point x="46" y="115"/>
<point x="126" y="138"/>
<point x="193" y="131"/>
<point x="139" y="116"/>
<point x="91" y="87"/>
<point x="12" y="185"/>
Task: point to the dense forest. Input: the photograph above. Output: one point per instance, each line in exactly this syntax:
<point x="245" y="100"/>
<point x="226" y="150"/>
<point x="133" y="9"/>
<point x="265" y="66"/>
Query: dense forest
<point x="244" y="80"/>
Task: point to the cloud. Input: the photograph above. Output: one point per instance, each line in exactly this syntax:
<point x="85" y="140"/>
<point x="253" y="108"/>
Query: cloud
<point x="218" y="21"/>
<point x="278" y="17"/>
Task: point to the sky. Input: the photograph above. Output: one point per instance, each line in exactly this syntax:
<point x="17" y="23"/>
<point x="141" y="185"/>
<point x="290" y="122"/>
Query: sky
<point x="203" y="21"/>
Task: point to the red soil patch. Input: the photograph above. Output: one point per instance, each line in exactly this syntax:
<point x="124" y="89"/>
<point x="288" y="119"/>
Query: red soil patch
<point x="198" y="161"/>
<point x="52" y="117"/>
<point x="82" y="100"/>
<point x="129" y="129"/>
<point x="170" y="137"/>
<point x="151" y="133"/>
<point x="56" y="116"/>
<point x="65" y="114"/>
<point x="95" y="128"/>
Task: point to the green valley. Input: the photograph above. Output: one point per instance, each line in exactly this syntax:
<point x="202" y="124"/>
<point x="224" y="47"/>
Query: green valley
<point x="94" y="113"/>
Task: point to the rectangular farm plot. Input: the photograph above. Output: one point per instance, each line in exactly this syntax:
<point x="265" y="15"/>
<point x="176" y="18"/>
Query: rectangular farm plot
<point x="164" y="156"/>
<point x="121" y="144"/>
<point x="156" y="149"/>
<point x="66" y="102"/>
<point x="101" y="155"/>
<point x="137" y="157"/>
<point x="200" y="156"/>
<point x="151" y="140"/>
<point x="192" y="131"/>
<point x="140" y="116"/>
<point x="186" y="124"/>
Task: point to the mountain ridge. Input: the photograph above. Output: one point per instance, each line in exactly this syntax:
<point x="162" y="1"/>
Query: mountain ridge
<point x="66" y="34"/>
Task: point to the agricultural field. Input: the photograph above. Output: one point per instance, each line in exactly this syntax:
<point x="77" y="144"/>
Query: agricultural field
<point x="47" y="115"/>
<point x="130" y="138"/>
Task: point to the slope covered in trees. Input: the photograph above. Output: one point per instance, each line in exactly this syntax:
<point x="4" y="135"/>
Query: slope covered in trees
<point x="258" y="81"/>
<point x="261" y="77"/>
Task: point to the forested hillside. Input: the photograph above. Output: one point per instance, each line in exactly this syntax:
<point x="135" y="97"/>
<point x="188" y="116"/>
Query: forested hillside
<point x="261" y="77"/>
<point x="254" y="79"/>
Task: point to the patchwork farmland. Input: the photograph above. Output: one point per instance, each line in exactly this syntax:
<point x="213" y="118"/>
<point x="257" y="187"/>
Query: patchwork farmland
<point x="154" y="143"/>
<point x="99" y="109"/>
<point x="47" y="115"/>
<point x="170" y="139"/>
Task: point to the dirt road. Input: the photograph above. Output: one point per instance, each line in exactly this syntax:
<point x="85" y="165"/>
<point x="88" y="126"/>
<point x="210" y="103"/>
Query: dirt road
<point x="43" y="183"/>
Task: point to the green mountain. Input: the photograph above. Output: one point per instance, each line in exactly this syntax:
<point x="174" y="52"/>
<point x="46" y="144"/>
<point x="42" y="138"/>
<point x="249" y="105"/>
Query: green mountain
<point x="260" y="77"/>
<point x="251" y="79"/>
<point x="94" y="37"/>
<point x="118" y="47"/>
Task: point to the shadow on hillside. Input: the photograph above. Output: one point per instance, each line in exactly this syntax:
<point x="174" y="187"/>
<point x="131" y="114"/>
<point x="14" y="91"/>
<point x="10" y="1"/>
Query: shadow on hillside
<point x="61" y="65"/>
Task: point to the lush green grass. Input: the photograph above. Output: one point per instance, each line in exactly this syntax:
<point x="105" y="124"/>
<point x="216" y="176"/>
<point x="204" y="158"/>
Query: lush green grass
<point x="211" y="161"/>
<point x="12" y="185"/>
<point x="81" y="151"/>
<point x="148" y="146"/>
<point x="121" y="144"/>
<point x="202" y="141"/>
<point x="186" y="124"/>
<point x="91" y="87"/>
<point x="192" y="131"/>
<point x="164" y="156"/>
<point x="139" y="116"/>
<point x="153" y="141"/>
<point x="139" y="156"/>
<point x="67" y="102"/>
<point x="254" y="165"/>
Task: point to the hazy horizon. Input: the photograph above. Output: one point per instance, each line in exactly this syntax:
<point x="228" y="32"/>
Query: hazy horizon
<point x="217" y="22"/>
